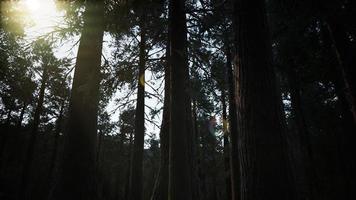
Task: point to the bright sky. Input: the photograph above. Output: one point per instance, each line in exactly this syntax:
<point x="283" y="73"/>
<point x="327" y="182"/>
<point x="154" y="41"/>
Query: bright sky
<point x="44" y="17"/>
<point x="43" y="14"/>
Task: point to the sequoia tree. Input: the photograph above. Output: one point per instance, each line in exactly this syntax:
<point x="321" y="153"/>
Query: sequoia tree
<point x="260" y="139"/>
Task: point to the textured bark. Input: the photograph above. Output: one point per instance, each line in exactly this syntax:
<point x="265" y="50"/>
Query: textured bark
<point x="33" y="136"/>
<point x="179" y="161"/>
<point x="78" y="178"/>
<point x="261" y="146"/>
<point x="136" y="185"/>
<point x="234" y="161"/>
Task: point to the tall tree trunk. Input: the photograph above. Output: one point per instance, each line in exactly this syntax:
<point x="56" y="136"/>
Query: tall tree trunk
<point x="179" y="161"/>
<point x="234" y="161"/>
<point x="78" y="177"/>
<point x="136" y="185"/>
<point x="226" y="147"/>
<point x="161" y="190"/>
<point x="259" y="125"/>
<point x="33" y="136"/>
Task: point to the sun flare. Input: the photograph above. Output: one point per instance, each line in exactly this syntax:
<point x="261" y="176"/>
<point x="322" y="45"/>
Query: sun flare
<point x="42" y="13"/>
<point x="32" y="5"/>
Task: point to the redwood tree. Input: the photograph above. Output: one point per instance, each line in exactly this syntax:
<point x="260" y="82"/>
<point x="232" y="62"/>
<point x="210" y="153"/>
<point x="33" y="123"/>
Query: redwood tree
<point x="260" y="139"/>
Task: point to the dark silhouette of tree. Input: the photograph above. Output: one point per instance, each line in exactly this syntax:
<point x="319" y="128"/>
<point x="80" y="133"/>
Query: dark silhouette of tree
<point x="160" y="190"/>
<point x="43" y="55"/>
<point x="78" y="177"/>
<point x="260" y="140"/>
<point x="137" y="157"/>
<point x="179" y="172"/>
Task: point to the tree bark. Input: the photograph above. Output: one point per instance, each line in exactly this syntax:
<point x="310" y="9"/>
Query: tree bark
<point x="260" y="141"/>
<point x="234" y="161"/>
<point x="136" y="185"/>
<point x="78" y="177"/>
<point x="33" y="136"/>
<point x="179" y="155"/>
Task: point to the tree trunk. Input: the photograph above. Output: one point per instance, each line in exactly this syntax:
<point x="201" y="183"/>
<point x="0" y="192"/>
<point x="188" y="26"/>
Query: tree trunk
<point x="136" y="185"/>
<point x="179" y="166"/>
<point x="259" y="125"/>
<point x="226" y="147"/>
<point x="161" y="191"/>
<point x="234" y="161"/>
<point x="78" y="177"/>
<point x="33" y="136"/>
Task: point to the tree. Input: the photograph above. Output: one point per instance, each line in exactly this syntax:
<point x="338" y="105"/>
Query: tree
<point x="160" y="191"/>
<point x="44" y="55"/>
<point x="77" y="180"/>
<point x="179" y="172"/>
<point x="260" y="133"/>
<point x="137" y="157"/>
